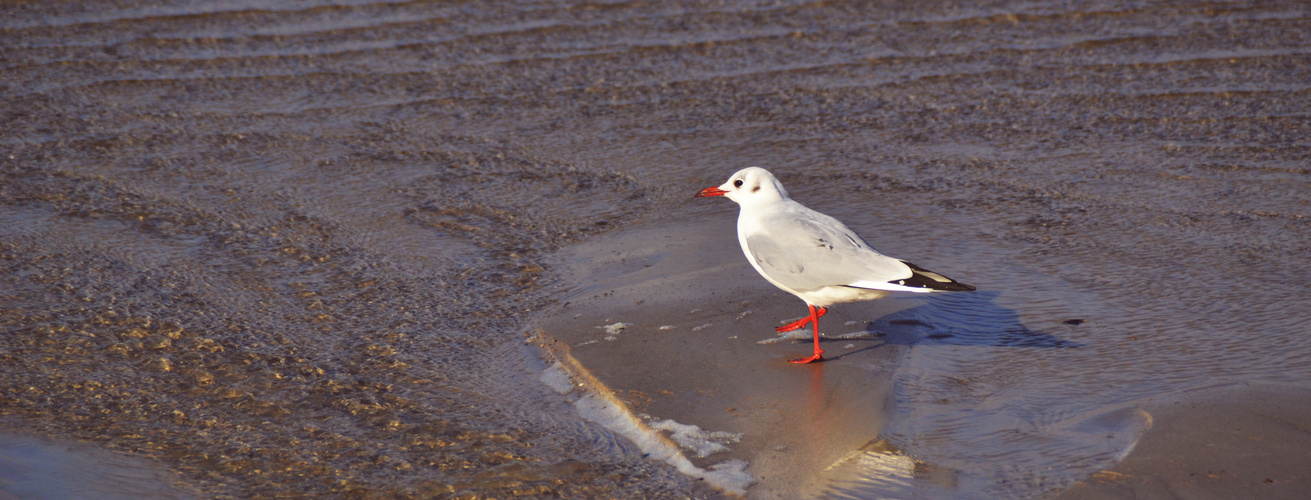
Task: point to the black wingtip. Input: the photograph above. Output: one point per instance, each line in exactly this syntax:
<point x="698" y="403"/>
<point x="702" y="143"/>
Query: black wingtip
<point x="924" y="278"/>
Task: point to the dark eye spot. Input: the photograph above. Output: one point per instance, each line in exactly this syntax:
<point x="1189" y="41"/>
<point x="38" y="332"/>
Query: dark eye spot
<point x="737" y="183"/>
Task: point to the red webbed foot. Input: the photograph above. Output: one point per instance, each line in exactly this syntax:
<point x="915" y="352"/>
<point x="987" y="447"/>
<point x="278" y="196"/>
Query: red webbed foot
<point x="818" y="356"/>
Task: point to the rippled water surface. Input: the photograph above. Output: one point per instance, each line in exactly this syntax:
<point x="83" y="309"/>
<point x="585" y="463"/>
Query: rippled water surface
<point x="292" y="247"/>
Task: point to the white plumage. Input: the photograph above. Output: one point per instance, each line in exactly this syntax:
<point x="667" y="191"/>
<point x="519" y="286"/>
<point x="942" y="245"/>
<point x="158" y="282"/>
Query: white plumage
<point x="814" y="256"/>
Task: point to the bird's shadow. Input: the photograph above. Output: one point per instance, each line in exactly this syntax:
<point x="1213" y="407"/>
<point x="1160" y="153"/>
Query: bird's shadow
<point x="961" y="319"/>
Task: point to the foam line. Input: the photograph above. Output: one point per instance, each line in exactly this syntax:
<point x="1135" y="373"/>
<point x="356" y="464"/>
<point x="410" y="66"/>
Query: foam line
<point x="597" y="403"/>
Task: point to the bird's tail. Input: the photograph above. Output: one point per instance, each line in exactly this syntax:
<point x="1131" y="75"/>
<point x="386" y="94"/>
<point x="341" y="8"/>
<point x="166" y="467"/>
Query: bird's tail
<point x="924" y="278"/>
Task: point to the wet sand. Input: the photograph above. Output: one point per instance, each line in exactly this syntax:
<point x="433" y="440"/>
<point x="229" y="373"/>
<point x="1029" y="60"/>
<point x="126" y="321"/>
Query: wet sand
<point x="294" y="248"/>
<point x="1250" y="441"/>
<point x="672" y="321"/>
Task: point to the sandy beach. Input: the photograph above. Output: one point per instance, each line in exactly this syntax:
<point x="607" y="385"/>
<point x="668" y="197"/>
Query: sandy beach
<point x="450" y="250"/>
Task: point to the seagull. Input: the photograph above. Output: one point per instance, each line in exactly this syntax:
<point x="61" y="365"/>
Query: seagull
<point x="814" y="256"/>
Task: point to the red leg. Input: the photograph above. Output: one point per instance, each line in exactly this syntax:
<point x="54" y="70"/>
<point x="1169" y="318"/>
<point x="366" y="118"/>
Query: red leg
<point x="814" y="319"/>
<point x="816" y="313"/>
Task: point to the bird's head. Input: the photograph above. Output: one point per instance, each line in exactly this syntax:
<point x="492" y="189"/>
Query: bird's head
<point x="749" y="186"/>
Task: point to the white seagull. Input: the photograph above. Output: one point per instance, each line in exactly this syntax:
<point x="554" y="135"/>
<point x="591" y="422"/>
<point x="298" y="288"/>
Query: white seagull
<point x="814" y="256"/>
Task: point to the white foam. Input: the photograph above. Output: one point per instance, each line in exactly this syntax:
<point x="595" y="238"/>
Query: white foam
<point x="731" y="472"/>
<point x="616" y="328"/>
<point x="858" y="335"/>
<point x="693" y="438"/>
<point x="792" y="335"/>
<point x="730" y="475"/>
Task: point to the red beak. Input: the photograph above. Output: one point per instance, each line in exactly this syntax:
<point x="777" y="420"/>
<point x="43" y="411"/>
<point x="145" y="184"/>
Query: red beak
<point x="708" y="192"/>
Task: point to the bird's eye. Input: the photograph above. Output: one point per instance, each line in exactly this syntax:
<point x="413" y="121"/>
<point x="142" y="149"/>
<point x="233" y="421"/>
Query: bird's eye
<point x="737" y="183"/>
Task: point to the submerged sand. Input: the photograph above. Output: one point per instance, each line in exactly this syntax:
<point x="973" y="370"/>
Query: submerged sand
<point x="670" y="320"/>
<point x="674" y="326"/>
<point x="1244" y="441"/>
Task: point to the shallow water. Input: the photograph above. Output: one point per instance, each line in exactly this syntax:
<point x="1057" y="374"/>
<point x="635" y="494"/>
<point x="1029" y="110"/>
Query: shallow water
<point x="34" y="468"/>
<point x="293" y="246"/>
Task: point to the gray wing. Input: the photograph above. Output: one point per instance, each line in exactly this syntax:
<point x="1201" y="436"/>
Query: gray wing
<point x="809" y="250"/>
